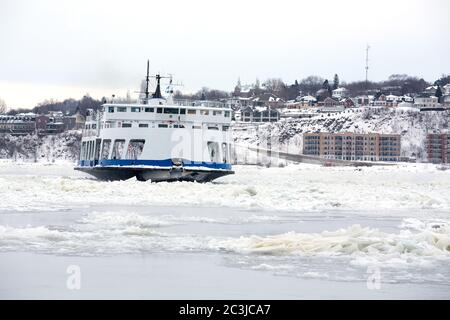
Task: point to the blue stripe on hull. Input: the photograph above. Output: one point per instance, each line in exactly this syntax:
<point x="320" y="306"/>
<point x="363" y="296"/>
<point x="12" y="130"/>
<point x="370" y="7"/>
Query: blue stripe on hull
<point x="156" y="163"/>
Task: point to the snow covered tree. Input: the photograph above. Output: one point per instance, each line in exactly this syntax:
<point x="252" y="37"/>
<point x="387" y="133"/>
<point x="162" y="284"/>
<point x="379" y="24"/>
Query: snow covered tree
<point x="438" y="93"/>
<point x="237" y="89"/>
<point x="257" y="83"/>
<point x="445" y="79"/>
<point x="326" y="86"/>
<point x="335" y="82"/>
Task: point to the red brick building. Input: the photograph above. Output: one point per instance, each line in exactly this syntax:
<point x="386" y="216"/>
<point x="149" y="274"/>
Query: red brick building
<point x="438" y="147"/>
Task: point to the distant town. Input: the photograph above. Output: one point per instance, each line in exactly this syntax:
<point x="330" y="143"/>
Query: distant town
<point x="274" y="101"/>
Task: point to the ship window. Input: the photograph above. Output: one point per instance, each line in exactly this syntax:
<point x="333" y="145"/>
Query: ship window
<point x="162" y="125"/>
<point x="135" y="109"/>
<point x="94" y="126"/>
<point x="178" y="126"/>
<point x="213" y="150"/>
<point x="126" y="125"/>
<point x="171" y="110"/>
<point x="121" y="109"/>
<point x="217" y="113"/>
<point x="196" y="127"/>
<point x="83" y="151"/>
<point x="135" y="148"/>
<point x="224" y="153"/>
<point x="86" y="151"/>
<point x="159" y="110"/>
<point x="204" y="112"/>
<point x="143" y="125"/>
<point x="182" y="111"/>
<point x="213" y="128"/>
<point x="105" y="148"/>
<point x="227" y="114"/>
<point x="149" y="109"/>
<point x="191" y="111"/>
<point x="117" y="151"/>
<point x="225" y="128"/>
<point x="88" y="146"/>
<point x="97" y="149"/>
<point x="111" y="109"/>
<point x="91" y="150"/>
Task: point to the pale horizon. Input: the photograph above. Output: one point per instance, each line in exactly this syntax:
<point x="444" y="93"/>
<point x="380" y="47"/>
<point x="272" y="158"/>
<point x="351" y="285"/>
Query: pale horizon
<point x="54" y="50"/>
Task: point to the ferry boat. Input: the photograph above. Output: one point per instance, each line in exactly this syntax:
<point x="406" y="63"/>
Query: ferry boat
<point x="158" y="139"/>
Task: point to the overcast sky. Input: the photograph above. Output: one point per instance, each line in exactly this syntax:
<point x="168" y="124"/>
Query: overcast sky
<point x="61" y="49"/>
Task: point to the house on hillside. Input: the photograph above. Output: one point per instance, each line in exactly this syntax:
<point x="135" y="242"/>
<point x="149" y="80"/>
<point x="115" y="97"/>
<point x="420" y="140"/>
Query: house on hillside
<point x="340" y="93"/>
<point x="266" y="99"/>
<point x="446" y="89"/>
<point x="330" y="105"/>
<point x="259" y="114"/>
<point x="347" y="103"/>
<point x="306" y="101"/>
<point x="380" y="101"/>
<point x="361" y="101"/>
<point x="427" y="102"/>
<point x="392" y="100"/>
<point x="19" y="124"/>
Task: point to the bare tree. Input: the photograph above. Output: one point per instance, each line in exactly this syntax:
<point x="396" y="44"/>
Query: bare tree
<point x="273" y="85"/>
<point x="3" y="106"/>
<point x="311" y="84"/>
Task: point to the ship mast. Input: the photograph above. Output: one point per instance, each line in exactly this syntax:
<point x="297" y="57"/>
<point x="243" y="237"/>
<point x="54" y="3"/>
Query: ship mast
<point x="147" y="79"/>
<point x="157" y="93"/>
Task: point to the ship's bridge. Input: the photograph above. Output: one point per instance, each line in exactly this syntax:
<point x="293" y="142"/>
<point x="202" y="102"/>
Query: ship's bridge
<point x="180" y="111"/>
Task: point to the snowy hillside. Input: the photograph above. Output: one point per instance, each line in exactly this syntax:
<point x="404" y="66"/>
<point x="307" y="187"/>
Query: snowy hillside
<point x="286" y="135"/>
<point x="64" y="146"/>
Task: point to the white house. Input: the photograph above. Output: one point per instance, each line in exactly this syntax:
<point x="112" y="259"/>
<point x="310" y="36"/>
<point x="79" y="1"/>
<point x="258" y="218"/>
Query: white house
<point x="340" y="93"/>
<point x="306" y="101"/>
<point x="408" y="99"/>
<point x="446" y="89"/>
<point x="392" y="100"/>
<point x="426" y="102"/>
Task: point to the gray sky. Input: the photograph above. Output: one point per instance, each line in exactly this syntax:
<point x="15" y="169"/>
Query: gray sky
<point x="61" y="49"/>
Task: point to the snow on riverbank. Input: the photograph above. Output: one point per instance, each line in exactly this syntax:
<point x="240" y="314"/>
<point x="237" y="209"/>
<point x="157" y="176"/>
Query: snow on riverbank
<point x="286" y="135"/>
<point x="63" y="146"/>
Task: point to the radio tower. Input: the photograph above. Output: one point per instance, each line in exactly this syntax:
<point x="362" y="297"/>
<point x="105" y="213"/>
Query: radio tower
<point x="367" y="65"/>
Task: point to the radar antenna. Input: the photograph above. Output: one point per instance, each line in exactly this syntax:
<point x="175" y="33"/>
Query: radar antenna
<point x="367" y="66"/>
<point x="147" y="79"/>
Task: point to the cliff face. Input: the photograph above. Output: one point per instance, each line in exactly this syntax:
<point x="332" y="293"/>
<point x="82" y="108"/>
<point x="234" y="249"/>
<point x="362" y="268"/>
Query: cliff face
<point x="411" y="124"/>
<point x="64" y="146"/>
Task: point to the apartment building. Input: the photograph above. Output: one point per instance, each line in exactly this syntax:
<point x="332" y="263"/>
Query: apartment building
<point x="21" y="124"/>
<point x="352" y="146"/>
<point x="438" y="147"/>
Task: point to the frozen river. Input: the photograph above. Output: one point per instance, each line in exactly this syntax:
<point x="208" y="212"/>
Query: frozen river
<point x="301" y="231"/>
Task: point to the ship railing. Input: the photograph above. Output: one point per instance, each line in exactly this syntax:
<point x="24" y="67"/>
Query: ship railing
<point x="200" y="103"/>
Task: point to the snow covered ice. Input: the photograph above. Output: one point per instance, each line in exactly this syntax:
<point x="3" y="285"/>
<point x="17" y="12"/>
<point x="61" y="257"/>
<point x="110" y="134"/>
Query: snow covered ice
<point x="296" y="188"/>
<point x="304" y="222"/>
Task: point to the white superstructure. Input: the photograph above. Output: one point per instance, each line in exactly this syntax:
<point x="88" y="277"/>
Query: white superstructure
<point x="158" y="139"/>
